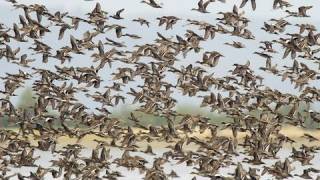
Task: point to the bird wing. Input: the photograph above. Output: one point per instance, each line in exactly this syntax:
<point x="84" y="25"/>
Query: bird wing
<point x="253" y="4"/>
<point x="61" y="32"/>
<point x="243" y="3"/>
<point x="119" y="12"/>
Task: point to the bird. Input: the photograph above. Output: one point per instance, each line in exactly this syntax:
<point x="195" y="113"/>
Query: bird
<point x="63" y="28"/>
<point x="24" y="61"/>
<point x="152" y="3"/>
<point x="142" y="21"/>
<point x="202" y="6"/>
<point x="235" y="44"/>
<point x="168" y="20"/>
<point x="117" y="15"/>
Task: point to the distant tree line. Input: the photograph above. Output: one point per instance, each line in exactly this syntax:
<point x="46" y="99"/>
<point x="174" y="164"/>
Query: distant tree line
<point x="27" y="101"/>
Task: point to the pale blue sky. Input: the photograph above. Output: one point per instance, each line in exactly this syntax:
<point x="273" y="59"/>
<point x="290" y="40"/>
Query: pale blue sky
<point x="182" y="9"/>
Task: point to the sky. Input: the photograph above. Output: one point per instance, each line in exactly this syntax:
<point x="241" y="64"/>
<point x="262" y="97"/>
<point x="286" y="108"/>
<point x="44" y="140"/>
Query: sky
<point x="181" y="9"/>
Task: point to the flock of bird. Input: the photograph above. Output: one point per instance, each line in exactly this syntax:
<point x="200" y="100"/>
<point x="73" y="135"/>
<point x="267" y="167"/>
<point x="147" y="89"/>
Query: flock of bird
<point x="235" y="95"/>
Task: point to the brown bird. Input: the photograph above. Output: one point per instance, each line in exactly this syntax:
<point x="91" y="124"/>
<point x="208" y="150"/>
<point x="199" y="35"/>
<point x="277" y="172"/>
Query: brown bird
<point x="151" y="3"/>
<point x="202" y="6"/>
<point x="142" y="21"/>
<point x="168" y="20"/>
<point x="24" y="61"/>
<point x="310" y="137"/>
<point x="63" y="28"/>
<point x="235" y="44"/>
<point x="280" y="4"/>
<point x="210" y="58"/>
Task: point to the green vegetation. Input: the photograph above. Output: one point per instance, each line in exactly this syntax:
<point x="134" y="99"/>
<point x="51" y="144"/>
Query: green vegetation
<point x="27" y="99"/>
<point x="148" y="119"/>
